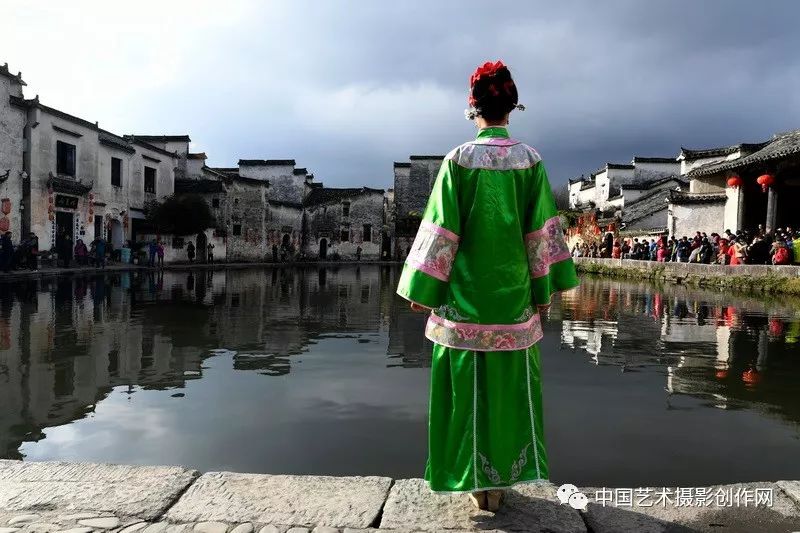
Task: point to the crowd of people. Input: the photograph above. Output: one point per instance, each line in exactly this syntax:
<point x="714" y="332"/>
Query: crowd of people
<point x="98" y="253"/>
<point x="760" y="247"/>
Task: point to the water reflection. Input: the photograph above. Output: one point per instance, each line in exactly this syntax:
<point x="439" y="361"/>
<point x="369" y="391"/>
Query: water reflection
<point x="324" y="371"/>
<point x="736" y="352"/>
<point x="66" y="343"/>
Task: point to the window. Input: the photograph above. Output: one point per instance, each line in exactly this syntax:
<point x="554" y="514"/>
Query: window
<point x="345" y="235"/>
<point x="116" y="172"/>
<point x="149" y="179"/>
<point x="367" y="232"/>
<point x="345" y="209"/>
<point x="237" y="229"/>
<point x="65" y="159"/>
<point x="215" y="203"/>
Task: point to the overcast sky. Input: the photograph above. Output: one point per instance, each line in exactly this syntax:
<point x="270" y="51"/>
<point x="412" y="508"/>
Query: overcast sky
<point x="348" y="87"/>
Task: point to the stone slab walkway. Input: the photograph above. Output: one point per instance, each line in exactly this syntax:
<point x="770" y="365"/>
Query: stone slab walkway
<point x="54" y="497"/>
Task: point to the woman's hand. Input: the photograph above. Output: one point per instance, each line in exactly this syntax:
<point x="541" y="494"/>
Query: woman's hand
<point x="419" y="308"/>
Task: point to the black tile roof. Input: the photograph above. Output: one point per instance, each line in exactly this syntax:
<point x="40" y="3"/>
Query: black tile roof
<point x="199" y="155"/>
<point x="282" y="203"/>
<point x="645" y="206"/>
<point x="324" y="195"/>
<point x="115" y="141"/>
<point x="299" y="171"/>
<point x="681" y="197"/>
<point x="419" y="157"/>
<point x="619" y="166"/>
<point x="263" y="162"/>
<point x="144" y="144"/>
<point x="402" y="165"/>
<point x="687" y="153"/>
<point x="163" y="138"/>
<point x="780" y="146"/>
<point x="647" y="185"/>
<point x="199" y="186"/>
<point x="34" y="102"/>
<point x="7" y="73"/>
<point x="587" y="185"/>
<point x="68" y="186"/>
<point x="654" y="160"/>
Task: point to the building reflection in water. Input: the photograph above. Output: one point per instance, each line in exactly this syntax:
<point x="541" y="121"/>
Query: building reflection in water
<point x="66" y="342"/>
<point x="735" y="351"/>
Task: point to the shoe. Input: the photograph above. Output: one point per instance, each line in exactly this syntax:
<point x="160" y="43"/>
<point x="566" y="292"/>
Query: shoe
<point x="478" y="499"/>
<point x="494" y="500"/>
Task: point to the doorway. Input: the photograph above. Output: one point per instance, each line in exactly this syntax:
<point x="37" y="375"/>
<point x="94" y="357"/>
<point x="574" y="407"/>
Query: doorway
<point x="201" y="244"/>
<point x="65" y="224"/>
<point x="386" y="247"/>
<point x="117" y="236"/>
<point x="323" y="248"/>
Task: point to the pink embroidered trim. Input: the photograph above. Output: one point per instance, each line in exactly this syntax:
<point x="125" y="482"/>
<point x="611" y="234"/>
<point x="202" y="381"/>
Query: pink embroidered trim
<point x="481" y="327"/>
<point x="433" y="251"/>
<point x="496" y="141"/>
<point x="483" y="337"/>
<point x="440" y="230"/>
<point x="428" y="269"/>
<point x="545" y="247"/>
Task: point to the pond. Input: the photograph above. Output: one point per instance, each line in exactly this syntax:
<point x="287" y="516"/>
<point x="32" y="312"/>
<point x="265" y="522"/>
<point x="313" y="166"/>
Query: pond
<point x="325" y="371"/>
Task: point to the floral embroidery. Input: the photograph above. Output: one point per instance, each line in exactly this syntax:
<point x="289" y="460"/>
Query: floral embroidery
<point x="516" y="466"/>
<point x="489" y="470"/>
<point x="526" y="315"/>
<point x="433" y="250"/>
<point x="449" y="312"/>
<point x="545" y="247"/>
<point x="495" y="156"/>
<point x="483" y="337"/>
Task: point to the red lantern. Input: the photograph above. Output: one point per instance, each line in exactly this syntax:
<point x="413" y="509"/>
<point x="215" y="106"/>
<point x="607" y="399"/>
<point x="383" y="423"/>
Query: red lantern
<point x="751" y="376"/>
<point x="6" y="202"/>
<point x="4" y="224"/>
<point x="766" y="181"/>
<point x="735" y="181"/>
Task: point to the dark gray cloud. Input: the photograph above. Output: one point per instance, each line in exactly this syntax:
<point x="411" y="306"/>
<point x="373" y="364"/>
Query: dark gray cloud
<point x="348" y="87"/>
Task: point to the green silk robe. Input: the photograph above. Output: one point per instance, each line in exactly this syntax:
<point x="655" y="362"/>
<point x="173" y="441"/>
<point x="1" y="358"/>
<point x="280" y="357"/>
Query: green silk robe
<point x="490" y="250"/>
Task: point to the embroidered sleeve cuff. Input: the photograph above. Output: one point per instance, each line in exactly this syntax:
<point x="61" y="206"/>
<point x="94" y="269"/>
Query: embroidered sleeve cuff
<point x="545" y="247"/>
<point x="433" y="251"/>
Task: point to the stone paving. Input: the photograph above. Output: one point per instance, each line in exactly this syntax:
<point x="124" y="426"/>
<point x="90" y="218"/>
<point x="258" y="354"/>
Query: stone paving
<point x="98" y="498"/>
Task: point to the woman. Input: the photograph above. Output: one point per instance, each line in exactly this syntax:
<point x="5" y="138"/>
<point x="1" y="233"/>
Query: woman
<point x="81" y="253"/>
<point x="489" y="254"/>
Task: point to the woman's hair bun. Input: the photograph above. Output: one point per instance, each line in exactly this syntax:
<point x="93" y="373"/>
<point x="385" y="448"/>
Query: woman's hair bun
<point x="493" y="92"/>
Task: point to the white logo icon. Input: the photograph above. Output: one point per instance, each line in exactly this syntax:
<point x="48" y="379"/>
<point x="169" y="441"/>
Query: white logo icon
<point x="569" y="494"/>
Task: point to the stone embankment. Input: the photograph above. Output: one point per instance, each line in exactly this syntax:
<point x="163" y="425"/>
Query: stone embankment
<point x="86" y="498"/>
<point x="770" y="279"/>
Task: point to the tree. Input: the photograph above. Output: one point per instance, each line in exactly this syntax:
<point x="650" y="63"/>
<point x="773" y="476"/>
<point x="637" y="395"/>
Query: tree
<point x="180" y="215"/>
<point x="561" y="196"/>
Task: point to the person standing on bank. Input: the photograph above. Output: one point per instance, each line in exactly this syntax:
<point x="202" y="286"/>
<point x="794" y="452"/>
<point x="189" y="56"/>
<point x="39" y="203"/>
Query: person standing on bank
<point x="489" y="253"/>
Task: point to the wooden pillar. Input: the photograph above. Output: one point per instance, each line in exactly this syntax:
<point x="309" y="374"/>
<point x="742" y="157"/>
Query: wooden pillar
<point x="772" y="209"/>
<point x="739" y="209"/>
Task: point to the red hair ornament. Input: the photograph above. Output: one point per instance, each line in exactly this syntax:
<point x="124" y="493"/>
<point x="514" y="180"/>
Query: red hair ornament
<point x="488" y="69"/>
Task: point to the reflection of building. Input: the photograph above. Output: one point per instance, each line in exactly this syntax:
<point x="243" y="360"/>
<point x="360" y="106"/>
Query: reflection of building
<point x="66" y="343"/>
<point x="713" y="205"/>
<point x="733" y="356"/>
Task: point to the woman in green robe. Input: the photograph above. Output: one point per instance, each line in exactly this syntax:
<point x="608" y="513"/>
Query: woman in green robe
<point x="489" y="253"/>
